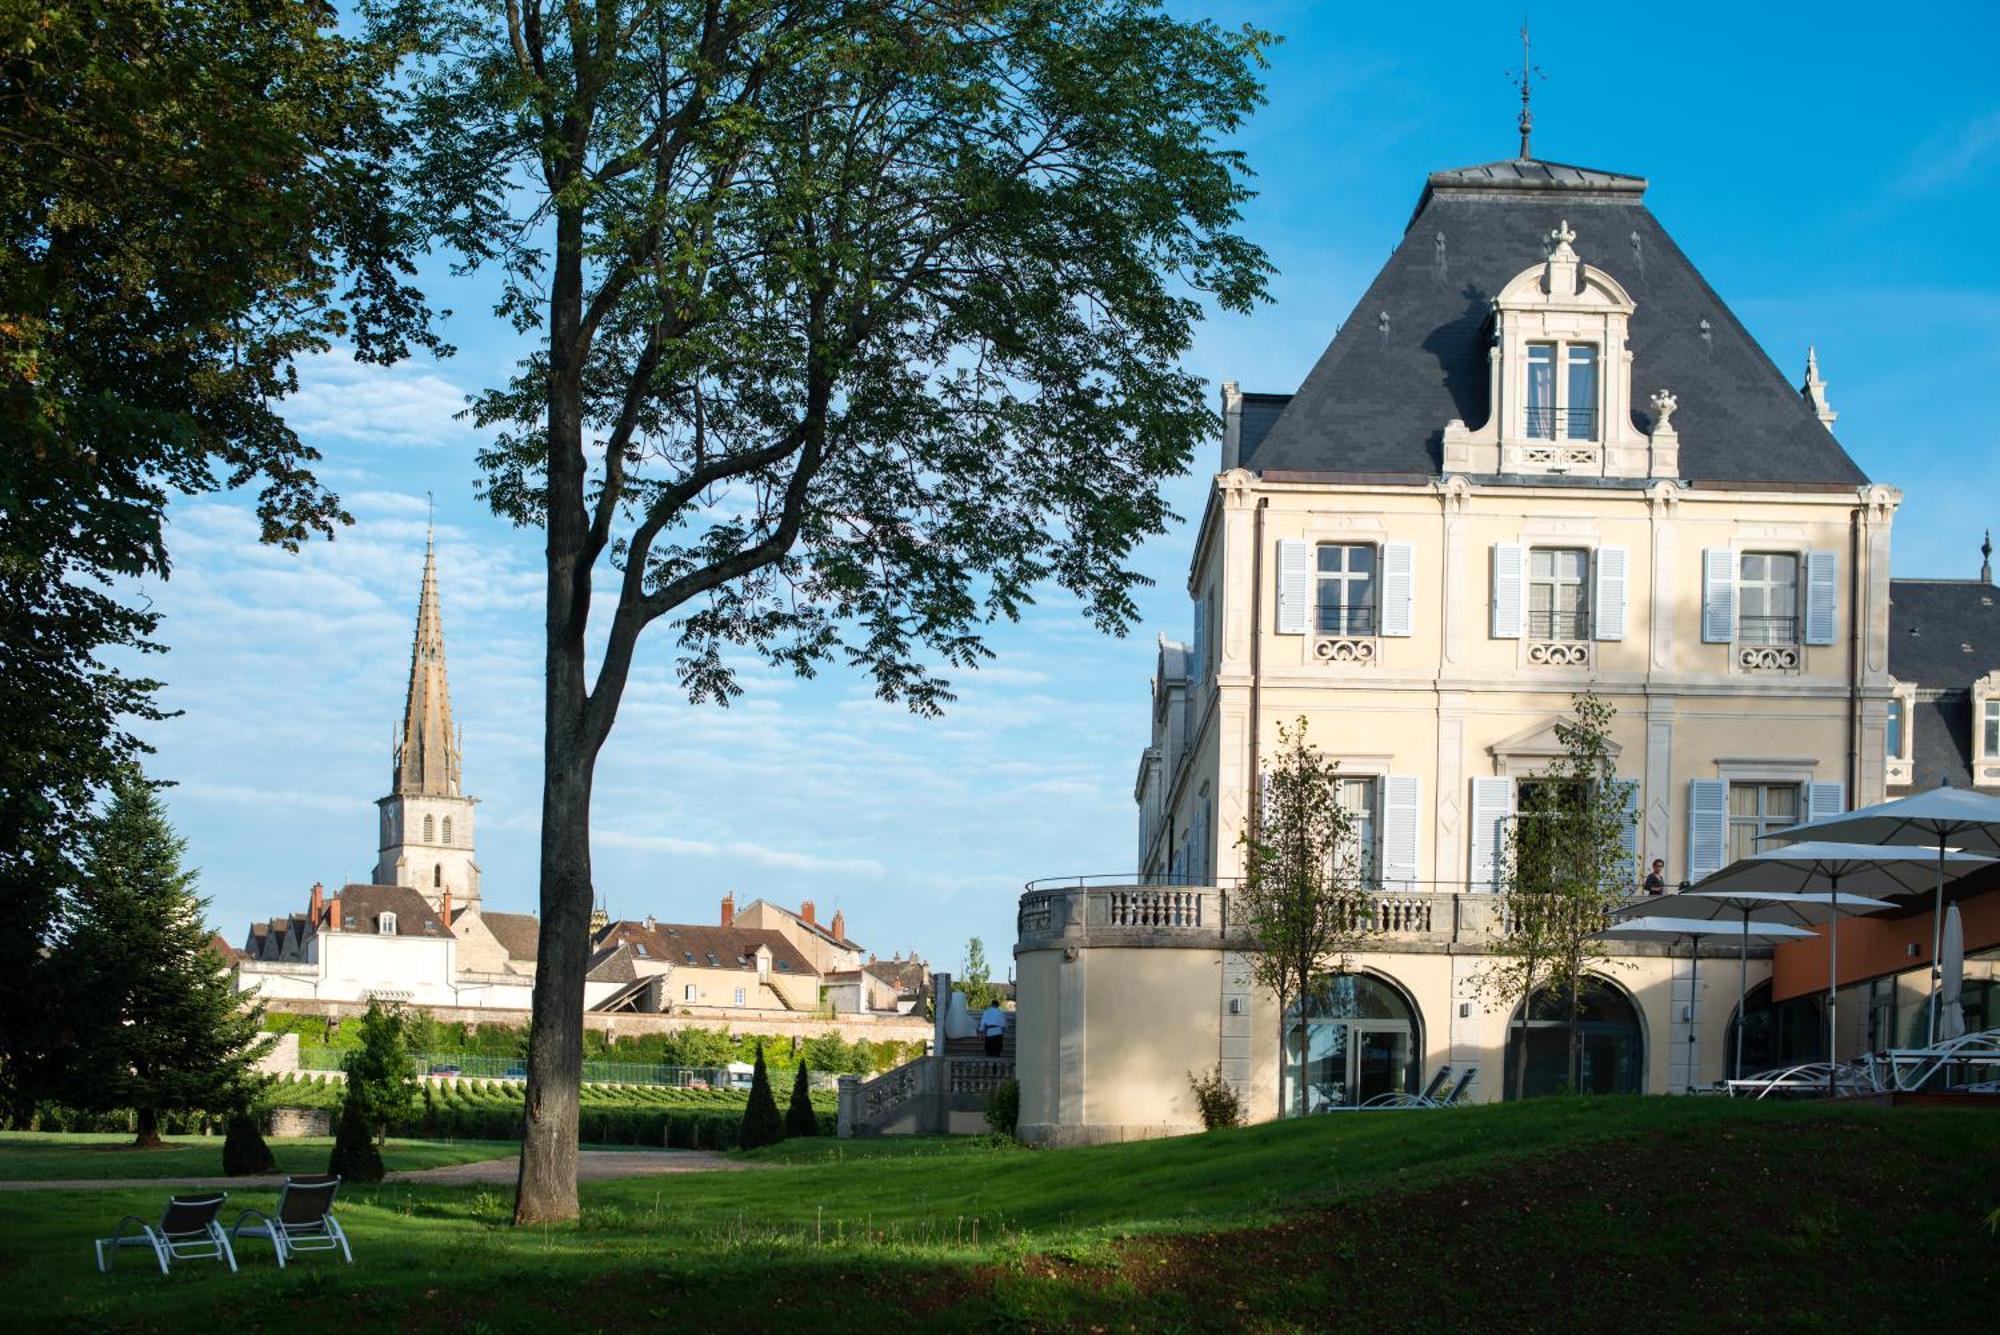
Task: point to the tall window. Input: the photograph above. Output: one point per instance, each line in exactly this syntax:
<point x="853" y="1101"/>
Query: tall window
<point x="687" y="992"/>
<point x="1346" y="589"/>
<point x="1989" y="728"/>
<point x="1562" y="406"/>
<point x="1758" y="809"/>
<point x="1542" y="391"/>
<point x="386" y="924"/>
<point x="447" y="829"/>
<point x="430" y="830"/>
<point x="437" y="875"/>
<point x="1896" y="728"/>
<point x="1767" y="596"/>
<point x="739" y="996"/>
<point x="1580" y="413"/>
<point x="1359" y="798"/>
<point x="1558" y="597"/>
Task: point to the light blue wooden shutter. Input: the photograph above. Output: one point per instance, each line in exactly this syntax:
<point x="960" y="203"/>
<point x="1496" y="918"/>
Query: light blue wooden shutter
<point x="1825" y="799"/>
<point x="1609" y="612"/>
<point x="1492" y="805"/>
<point x="1402" y="796"/>
<point x="1822" y="595"/>
<point x="1718" y="595"/>
<point x="1708" y="826"/>
<point x="1294" y="586"/>
<point x="1399" y="578"/>
<point x="1630" y="834"/>
<point x="1507" y="600"/>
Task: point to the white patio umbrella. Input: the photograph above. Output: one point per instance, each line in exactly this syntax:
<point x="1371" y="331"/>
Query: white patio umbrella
<point x="1941" y="818"/>
<point x="1951" y="964"/>
<point x="1654" y="927"/>
<point x="1813" y="867"/>
<point x="1774" y="911"/>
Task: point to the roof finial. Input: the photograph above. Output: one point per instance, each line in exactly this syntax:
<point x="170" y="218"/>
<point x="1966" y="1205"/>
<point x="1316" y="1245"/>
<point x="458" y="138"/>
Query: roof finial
<point x="1815" y="390"/>
<point x="1986" y="559"/>
<point x="1528" y="72"/>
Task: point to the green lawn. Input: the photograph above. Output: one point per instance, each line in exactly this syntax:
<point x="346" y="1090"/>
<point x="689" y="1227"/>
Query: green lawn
<point x="31" y="1156"/>
<point x="1638" y="1213"/>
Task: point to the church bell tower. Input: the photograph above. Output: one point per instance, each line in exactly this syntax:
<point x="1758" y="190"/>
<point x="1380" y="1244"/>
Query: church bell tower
<point x="426" y="824"/>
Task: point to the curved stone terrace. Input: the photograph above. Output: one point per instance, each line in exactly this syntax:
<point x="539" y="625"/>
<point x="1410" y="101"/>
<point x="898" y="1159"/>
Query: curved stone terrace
<point x="1134" y="910"/>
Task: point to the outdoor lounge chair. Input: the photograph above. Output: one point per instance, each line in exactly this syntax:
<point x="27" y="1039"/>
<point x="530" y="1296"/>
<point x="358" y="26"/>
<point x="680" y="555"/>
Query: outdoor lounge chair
<point x="303" y="1221"/>
<point x="186" y="1232"/>
<point x="1457" y="1095"/>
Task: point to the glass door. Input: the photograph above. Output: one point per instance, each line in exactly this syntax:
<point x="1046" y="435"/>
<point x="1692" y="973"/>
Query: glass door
<point x="1381" y="1062"/>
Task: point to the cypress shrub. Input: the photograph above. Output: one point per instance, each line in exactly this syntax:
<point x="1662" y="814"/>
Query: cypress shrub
<point x="800" y="1120"/>
<point x="761" y="1123"/>
<point x="355" y="1155"/>
<point x="244" y="1153"/>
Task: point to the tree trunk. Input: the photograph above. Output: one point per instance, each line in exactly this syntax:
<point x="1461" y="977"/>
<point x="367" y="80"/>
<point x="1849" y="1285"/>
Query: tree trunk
<point x="1575" y="1043"/>
<point x="1521" y="1052"/>
<point x="149" y="1130"/>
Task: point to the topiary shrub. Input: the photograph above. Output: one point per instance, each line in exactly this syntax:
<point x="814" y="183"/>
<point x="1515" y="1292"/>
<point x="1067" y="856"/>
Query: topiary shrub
<point x="761" y="1123"/>
<point x="1003" y="1107"/>
<point x="355" y="1155"/>
<point x="244" y="1153"/>
<point x="800" y="1119"/>
<point x="1219" y="1104"/>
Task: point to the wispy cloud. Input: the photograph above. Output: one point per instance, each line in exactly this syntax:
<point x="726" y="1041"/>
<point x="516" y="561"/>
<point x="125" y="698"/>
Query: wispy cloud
<point x="1951" y="155"/>
<point x="340" y="399"/>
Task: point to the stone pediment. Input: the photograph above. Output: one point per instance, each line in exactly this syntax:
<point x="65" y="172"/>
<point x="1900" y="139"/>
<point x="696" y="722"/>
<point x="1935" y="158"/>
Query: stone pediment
<point x="1538" y="743"/>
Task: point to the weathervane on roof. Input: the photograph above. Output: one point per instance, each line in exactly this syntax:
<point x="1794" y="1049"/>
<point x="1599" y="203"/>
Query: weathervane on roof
<point x="1527" y="74"/>
<point x="1986" y="559"/>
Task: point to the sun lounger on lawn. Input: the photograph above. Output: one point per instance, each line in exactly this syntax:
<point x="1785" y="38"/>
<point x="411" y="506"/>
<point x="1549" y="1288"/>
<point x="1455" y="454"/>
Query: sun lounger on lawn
<point x="186" y="1232"/>
<point x="303" y="1221"/>
<point x="1457" y="1095"/>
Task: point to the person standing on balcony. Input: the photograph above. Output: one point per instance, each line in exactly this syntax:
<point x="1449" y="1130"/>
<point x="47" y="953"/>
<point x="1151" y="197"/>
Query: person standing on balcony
<point x="993" y="1028"/>
<point x="1656" y="880"/>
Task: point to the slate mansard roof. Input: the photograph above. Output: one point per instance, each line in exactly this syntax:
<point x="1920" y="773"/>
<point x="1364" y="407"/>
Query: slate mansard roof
<point x="1413" y="354"/>
<point x="1944" y="634"/>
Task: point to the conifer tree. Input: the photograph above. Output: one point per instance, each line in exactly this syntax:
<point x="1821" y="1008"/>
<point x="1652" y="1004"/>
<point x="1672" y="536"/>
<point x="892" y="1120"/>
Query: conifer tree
<point x="245" y="1153"/>
<point x="380" y="1072"/>
<point x="800" y="1119"/>
<point x="355" y="1156"/>
<point x="761" y="1123"/>
<point x="157" y="1025"/>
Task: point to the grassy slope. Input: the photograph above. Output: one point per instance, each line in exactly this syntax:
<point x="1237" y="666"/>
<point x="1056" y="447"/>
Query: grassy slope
<point x="1657" y="1213"/>
<point x="29" y="1157"/>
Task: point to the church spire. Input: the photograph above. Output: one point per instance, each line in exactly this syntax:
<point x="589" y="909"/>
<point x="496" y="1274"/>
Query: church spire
<point x="427" y="749"/>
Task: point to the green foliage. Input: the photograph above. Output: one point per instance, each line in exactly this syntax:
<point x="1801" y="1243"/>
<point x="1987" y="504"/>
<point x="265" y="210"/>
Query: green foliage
<point x="761" y="1123"/>
<point x="380" y="1072"/>
<point x="244" y="1151"/>
<point x="193" y="203"/>
<point x="975" y="978"/>
<point x="1003" y="1107"/>
<point x="356" y="1156"/>
<point x="800" y="1120"/>
<point x="155" y="1023"/>
<point x="1306" y="900"/>
<point x="1216" y="1099"/>
<point x="1567" y="868"/>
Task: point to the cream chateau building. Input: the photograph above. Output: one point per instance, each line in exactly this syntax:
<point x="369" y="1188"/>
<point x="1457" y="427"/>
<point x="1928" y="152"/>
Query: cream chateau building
<point x="1541" y="454"/>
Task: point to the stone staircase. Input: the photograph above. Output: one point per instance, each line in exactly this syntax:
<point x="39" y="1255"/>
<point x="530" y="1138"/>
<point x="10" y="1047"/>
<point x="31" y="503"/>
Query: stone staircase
<point x="942" y="1093"/>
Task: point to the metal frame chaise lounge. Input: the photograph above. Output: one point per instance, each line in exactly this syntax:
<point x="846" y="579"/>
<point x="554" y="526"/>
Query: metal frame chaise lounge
<point x="187" y="1231"/>
<point x="303" y="1221"/>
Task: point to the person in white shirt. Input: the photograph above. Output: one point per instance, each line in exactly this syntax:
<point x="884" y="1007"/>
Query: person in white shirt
<point x="993" y="1027"/>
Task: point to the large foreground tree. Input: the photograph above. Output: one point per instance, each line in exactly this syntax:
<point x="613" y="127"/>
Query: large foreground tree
<point x="853" y="324"/>
<point x="192" y="194"/>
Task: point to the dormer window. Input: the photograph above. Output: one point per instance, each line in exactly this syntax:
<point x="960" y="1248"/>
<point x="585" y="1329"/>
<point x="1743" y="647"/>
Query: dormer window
<point x="385" y="924"/>
<point x="1561" y="407"/>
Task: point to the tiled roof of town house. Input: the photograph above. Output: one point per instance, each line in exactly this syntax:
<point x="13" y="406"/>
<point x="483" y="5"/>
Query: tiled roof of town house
<point x="613" y="964"/>
<point x="1413" y="354"/>
<point x="362" y="907"/>
<point x="1944" y="634"/>
<point x="818" y="929"/>
<point x="673" y="943"/>
<point x="908" y="977"/>
<point x="519" y="934"/>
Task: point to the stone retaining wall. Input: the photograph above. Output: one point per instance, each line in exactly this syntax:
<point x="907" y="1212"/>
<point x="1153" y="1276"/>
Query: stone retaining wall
<point x="851" y="1028"/>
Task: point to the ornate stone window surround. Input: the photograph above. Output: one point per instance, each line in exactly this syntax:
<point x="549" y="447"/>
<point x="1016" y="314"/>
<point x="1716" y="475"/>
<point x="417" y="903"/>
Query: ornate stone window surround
<point x="1761" y="659"/>
<point x="1564" y="302"/>
<point x="1345" y="650"/>
<point x="1576" y="655"/>
<point x="1901" y="761"/>
<point x="1985" y="760"/>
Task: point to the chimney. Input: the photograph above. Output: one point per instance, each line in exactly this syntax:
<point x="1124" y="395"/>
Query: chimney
<point x="445" y="912"/>
<point x="318" y="909"/>
<point x="729" y="908"/>
<point x="807" y="912"/>
<point x="839" y="925"/>
<point x="333" y="914"/>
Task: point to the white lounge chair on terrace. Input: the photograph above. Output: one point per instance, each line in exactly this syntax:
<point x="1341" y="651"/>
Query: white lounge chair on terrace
<point x="303" y="1221"/>
<point x="186" y="1232"/>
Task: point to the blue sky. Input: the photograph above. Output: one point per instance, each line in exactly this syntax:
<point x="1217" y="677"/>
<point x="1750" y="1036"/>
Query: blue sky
<point x="1832" y="171"/>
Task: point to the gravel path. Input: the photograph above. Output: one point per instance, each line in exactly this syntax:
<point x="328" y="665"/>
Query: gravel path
<point x="591" y="1166"/>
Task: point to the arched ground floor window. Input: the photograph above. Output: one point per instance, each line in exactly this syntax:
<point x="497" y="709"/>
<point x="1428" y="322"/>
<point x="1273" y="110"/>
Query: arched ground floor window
<point x="1613" y="1057"/>
<point x="1362" y="1038"/>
